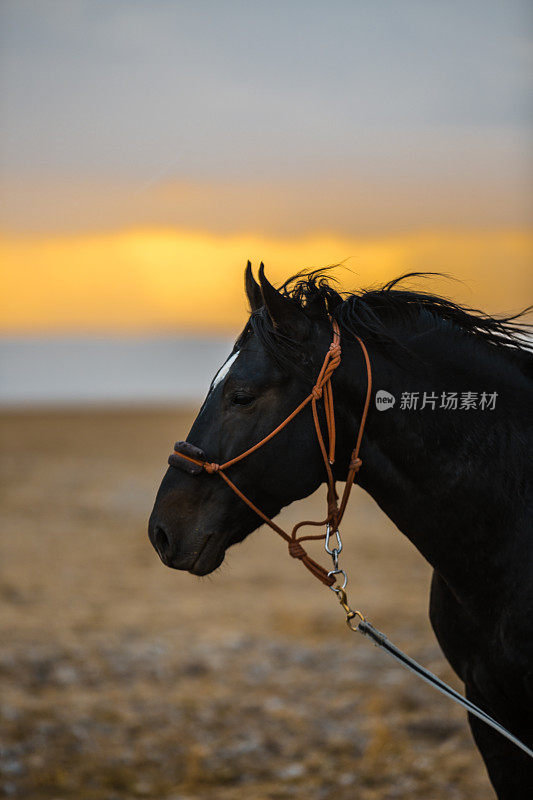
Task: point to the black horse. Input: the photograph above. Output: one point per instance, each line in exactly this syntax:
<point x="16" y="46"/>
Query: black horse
<point x="448" y="463"/>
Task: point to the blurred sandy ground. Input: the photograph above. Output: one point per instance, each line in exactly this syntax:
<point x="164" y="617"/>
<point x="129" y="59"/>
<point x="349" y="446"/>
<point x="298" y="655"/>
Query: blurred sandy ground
<point x="123" y="679"/>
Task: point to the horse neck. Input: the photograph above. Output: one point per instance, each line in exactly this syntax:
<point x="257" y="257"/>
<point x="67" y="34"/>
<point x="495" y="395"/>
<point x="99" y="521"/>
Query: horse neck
<point x="451" y="481"/>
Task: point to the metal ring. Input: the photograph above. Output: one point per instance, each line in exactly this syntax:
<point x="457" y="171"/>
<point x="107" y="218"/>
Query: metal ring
<point x="350" y="616"/>
<point x="334" y="588"/>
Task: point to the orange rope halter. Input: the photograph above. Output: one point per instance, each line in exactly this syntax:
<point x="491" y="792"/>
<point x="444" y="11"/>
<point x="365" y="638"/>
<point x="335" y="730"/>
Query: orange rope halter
<point x="335" y="511"/>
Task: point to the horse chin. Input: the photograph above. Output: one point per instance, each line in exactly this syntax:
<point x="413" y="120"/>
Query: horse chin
<point x="213" y="549"/>
<point x="209" y="558"/>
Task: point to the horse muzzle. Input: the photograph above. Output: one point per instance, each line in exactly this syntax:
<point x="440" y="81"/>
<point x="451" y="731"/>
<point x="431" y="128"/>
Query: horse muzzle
<point x="198" y="554"/>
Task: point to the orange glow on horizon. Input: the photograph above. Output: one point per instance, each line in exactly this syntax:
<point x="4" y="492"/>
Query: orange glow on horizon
<point x="136" y="281"/>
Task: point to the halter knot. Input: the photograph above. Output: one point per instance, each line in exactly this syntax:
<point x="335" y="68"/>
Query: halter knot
<point x="211" y="467"/>
<point x="355" y="463"/>
<point x="296" y="550"/>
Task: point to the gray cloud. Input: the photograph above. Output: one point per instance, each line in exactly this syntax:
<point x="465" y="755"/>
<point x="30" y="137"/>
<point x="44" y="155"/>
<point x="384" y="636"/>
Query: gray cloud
<point x="351" y="90"/>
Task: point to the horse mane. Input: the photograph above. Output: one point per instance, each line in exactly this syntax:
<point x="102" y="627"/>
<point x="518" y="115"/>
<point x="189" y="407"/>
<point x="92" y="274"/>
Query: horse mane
<point x="375" y="314"/>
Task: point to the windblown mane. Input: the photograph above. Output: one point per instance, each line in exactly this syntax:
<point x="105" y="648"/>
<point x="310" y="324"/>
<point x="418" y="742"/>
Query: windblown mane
<point x="373" y="313"/>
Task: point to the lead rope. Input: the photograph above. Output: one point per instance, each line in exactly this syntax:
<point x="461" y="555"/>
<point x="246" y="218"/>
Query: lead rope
<point x="356" y="621"/>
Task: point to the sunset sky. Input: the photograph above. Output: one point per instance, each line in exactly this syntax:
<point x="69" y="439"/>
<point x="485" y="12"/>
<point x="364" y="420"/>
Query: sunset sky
<point x="148" y="149"/>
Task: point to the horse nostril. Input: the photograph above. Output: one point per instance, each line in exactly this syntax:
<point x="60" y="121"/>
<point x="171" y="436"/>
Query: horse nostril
<point x="161" y="540"/>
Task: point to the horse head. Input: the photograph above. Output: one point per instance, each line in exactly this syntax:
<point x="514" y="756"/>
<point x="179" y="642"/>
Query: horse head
<point x="197" y="517"/>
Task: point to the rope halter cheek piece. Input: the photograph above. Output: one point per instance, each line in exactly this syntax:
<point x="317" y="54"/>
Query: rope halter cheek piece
<point x="193" y="460"/>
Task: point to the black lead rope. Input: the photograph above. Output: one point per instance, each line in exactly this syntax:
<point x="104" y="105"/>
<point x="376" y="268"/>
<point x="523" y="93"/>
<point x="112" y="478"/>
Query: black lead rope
<point x="382" y="641"/>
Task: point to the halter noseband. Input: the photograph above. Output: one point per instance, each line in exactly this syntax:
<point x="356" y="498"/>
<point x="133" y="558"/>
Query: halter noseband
<point x="193" y="460"/>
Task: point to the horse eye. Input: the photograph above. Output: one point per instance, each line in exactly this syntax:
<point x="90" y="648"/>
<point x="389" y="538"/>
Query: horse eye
<point x="242" y="399"/>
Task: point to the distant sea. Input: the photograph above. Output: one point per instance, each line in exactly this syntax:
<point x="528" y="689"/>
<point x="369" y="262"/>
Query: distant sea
<point x="67" y="371"/>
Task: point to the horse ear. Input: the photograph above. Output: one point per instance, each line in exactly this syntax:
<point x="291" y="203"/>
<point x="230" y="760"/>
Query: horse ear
<point x="253" y="290"/>
<point x="285" y="313"/>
